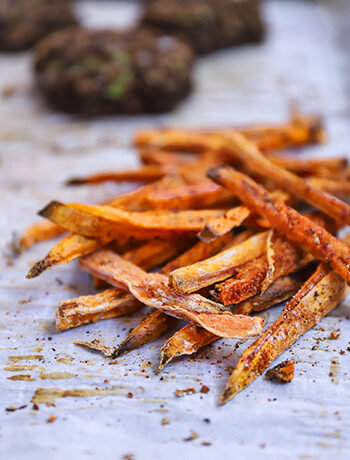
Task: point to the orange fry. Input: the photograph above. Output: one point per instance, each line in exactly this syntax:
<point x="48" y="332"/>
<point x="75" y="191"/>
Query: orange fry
<point x="106" y="222"/>
<point x="310" y="166"/>
<point x="316" y="298"/>
<point x="219" y="267"/>
<point x="310" y="236"/>
<point x="152" y="289"/>
<point x="40" y="231"/>
<point x="338" y="187"/>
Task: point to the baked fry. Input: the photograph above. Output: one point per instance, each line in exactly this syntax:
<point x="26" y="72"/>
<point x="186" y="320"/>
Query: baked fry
<point x="164" y="157"/>
<point x="40" y="231"/>
<point x="106" y="222"/>
<point x="320" y="167"/>
<point x="338" y="187"/>
<point x="310" y="236"/>
<point x="146" y="174"/>
<point x="152" y="327"/>
<point x="90" y="309"/>
<point x="152" y="289"/>
<point x="245" y="151"/>
<point x="219" y="267"/>
<point x="317" y="297"/>
<point x="69" y="248"/>
<point x="186" y="341"/>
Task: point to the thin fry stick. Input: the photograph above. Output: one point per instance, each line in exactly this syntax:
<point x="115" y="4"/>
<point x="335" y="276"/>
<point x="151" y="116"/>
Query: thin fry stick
<point x="245" y="151"/>
<point x="40" y="231"/>
<point x="105" y="222"/>
<point x="339" y="187"/>
<point x="86" y="309"/>
<point x="316" y="298"/>
<point x="310" y="166"/>
<point x="164" y="157"/>
<point x="152" y="327"/>
<point x="153" y="290"/>
<point x="310" y="236"/>
<point x="219" y="267"/>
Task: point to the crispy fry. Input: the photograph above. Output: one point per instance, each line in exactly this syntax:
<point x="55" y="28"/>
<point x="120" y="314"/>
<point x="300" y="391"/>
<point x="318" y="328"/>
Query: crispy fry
<point x="281" y="289"/>
<point x="310" y="236"/>
<point x="316" y="298"/>
<point x="339" y="187"/>
<point x="219" y="267"/>
<point x="147" y="173"/>
<point x="245" y="151"/>
<point x="152" y="327"/>
<point x="106" y="222"/>
<point x="301" y="130"/>
<point x="186" y="341"/>
<point x="164" y="157"/>
<point x="70" y="247"/>
<point x="153" y="290"/>
<point x="310" y="166"/>
<point x="40" y="231"/>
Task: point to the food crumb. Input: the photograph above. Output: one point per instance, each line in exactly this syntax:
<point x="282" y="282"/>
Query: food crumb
<point x="335" y="335"/>
<point x="130" y="395"/>
<point x="192" y="437"/>
<point x="186" y="391"/>
<point x="165" y="421"/>
<point x="51" y="419"/>
<point x="204" y="389"/>
<point x="282" y="373"/>
<point x="206" y="443"/>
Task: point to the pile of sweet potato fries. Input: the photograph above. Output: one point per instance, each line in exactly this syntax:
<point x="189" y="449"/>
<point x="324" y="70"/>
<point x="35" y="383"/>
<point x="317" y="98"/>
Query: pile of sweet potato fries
<point x="210" y="244"/>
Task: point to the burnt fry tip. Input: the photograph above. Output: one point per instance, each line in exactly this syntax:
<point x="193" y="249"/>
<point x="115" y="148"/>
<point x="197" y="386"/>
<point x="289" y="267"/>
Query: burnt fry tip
<point x="47" y="210"/>
<point x="39" y="267"/>
<point x="75" y="181"/>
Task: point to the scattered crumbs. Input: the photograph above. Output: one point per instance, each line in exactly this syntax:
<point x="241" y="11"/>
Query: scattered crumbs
<point x="204" y="389"/>
<point x="17" y="358"/>
<point x="334" y="370"/>
<point x="165" y="421"/>
<point x="69" y="359"/>
<point x="186" y="391"/>
<point x="51" y="419"/>
<point x="25" y="377"/>
<point x="282" y="373"/>
<point x="13" y="409"/>
<point x="335" y="335"/>
<point x="192" y="437"/>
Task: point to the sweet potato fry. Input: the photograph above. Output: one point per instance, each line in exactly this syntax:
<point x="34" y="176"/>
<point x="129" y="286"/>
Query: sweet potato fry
<point x="148" y="173"/>
<point x="281" y="289"/>
<point x="310" y="236"/>
<point x="90" y="309"/>
<point x="310" y="166"/>
<point x="245" y="151"/>
<point x="219" y="267"/>
<point x="338" y="187"/>
<point x="316" y="298"/>
<point x="302" y="130"/>
<point x="40" y="231"/>
<point x="152" y="327"/>
<point x="69" y="248"/>
<point x="166" y="158"/>
<point x="186" y="341"/>
<point x="105" y="222"/>
<point x="152" y="289"/>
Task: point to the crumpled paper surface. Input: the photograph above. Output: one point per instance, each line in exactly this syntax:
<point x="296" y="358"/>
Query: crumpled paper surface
<point x="134" y="413"/>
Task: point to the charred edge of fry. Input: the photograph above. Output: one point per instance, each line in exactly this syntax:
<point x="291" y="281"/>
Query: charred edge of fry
<point x="150" y="329"/>
<point x="49" y="209"/>
<point x="39" y="267"/>
<point x="282" y="373"/>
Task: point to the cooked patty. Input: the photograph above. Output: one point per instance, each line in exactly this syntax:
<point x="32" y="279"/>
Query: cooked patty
<point x="207" y="25"/>
<point x="24" y="22"/>
<point x="100" y="72"/>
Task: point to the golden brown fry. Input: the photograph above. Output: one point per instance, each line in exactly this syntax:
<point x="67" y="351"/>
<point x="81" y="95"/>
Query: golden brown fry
<point x="245" y="151"/>
<point x="107" y="223"/>
<point x="147" y="173"/>
<point x="152" y="289"/>
<point x="152" y="327"/>
<point x="280" y="290"/>
<point x="40" y="231"/>
<point x="92" y="308"/>
<point x="310" y="166"/>
<point x="166" y="158"/>
<point x="186" y="341"/>
<point x="310" y="236"/>
<point x="219" y="267"/>
<point x="70" y="247"/>
<point x="316" y="298"/>
<point x="338" y="187"/>
<point x="301" y="130"/>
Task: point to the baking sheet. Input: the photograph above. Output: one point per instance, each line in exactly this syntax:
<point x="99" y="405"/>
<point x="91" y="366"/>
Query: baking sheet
<point x="304" y="61"/>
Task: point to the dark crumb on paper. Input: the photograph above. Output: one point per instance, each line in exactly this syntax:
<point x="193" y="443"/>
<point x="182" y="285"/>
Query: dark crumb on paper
<point x="206" y="443"/>
<point x="335" y="335"/>
<point x="282" y="373"/>
<point x="204" y="389"/>
<point x="128" y="457"/>
<point x="51" y="419"/>
<point x="186" y="391"/>
<point x="206" y="420"/>
<point x="35" y="406"/>
<point x="13" y="409"/>
<point x="192" y="437"/>
<point x="130" y="395"/>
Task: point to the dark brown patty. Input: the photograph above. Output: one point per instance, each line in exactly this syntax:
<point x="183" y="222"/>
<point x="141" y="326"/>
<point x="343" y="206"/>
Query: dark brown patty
<point x="101" y="72"/>
<point x="24" y="22"/>
<point x="207" y="25"/>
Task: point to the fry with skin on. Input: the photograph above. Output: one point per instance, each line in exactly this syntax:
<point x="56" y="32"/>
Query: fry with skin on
<point x="106" y="222"/>
<point x="321" y="293"/>
<point x="157" y="323"/>
<point x="219" y="267"/>
<point x="40" y="231"/>
<point x="152" y="289"/>
<point x="310" y="236"/>
<point x="245" y="151"/>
